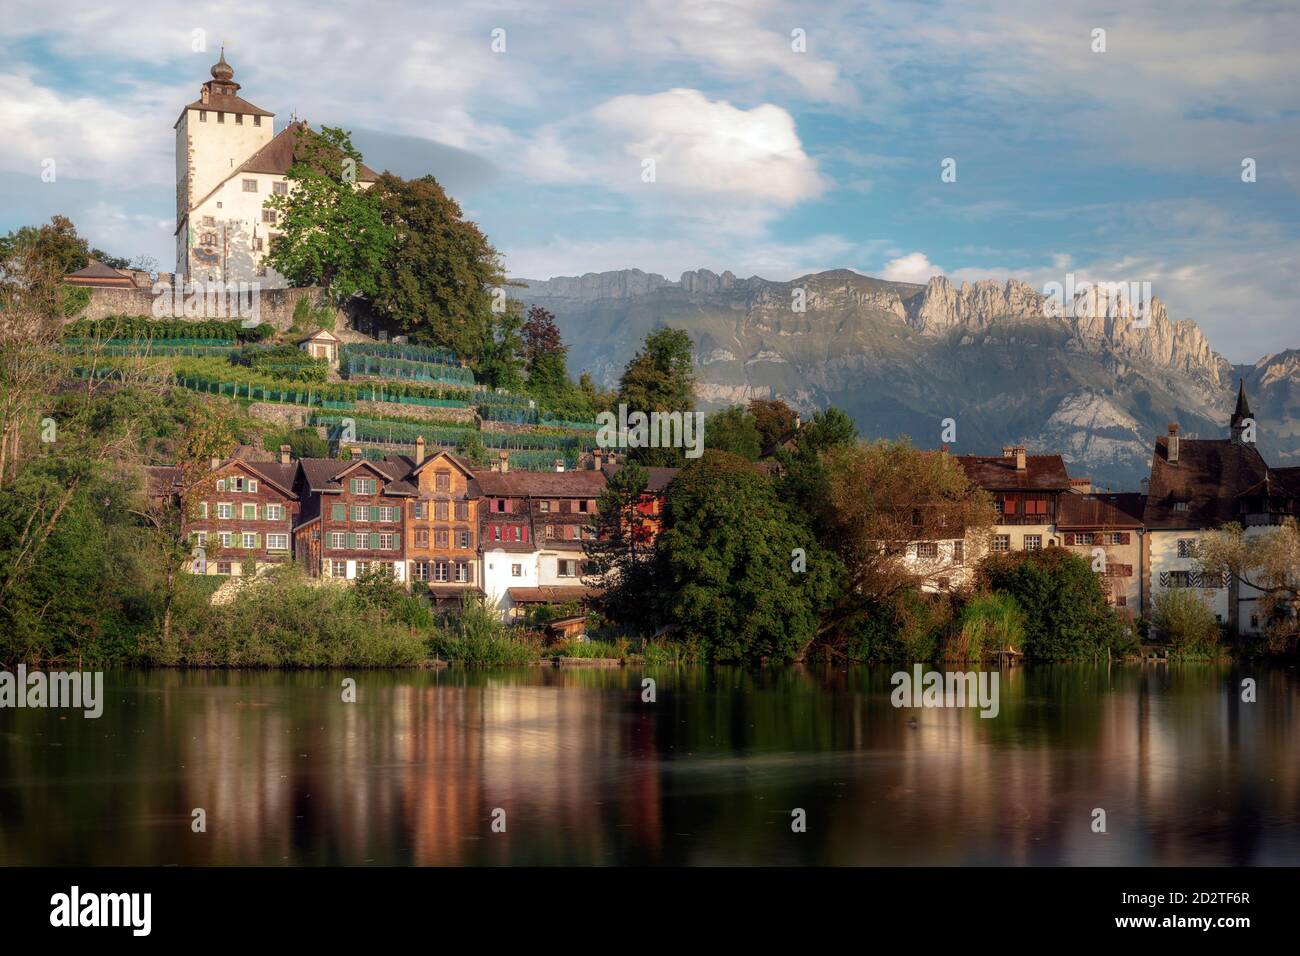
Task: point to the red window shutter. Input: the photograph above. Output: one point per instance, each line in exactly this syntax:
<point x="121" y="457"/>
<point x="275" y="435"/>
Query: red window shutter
<point x="1069" y="539"/>
<point x="1123" y="538"/>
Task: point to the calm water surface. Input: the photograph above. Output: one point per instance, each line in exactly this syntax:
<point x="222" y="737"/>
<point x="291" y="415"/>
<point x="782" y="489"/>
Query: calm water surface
<point x="589" y="774"/>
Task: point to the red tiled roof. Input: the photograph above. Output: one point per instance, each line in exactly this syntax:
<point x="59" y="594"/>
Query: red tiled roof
<point x="998" y="473"/>
<point x="1101" y="511"/>
<point x="277" y="156"/>
<point x="541" y="484"/>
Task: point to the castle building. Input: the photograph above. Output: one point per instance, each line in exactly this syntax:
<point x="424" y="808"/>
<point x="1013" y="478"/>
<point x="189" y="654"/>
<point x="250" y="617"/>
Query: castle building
<point x="229" y="162"/>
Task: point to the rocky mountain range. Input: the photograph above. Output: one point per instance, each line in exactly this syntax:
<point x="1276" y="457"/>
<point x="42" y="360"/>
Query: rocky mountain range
<point x="1094" y="379"/>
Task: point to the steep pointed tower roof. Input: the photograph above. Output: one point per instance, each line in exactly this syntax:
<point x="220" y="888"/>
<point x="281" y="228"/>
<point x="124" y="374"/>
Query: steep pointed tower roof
<point x="1243" y="407"/>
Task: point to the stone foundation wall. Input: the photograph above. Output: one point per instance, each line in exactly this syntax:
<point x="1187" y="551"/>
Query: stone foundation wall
<point x="274" y="306"/>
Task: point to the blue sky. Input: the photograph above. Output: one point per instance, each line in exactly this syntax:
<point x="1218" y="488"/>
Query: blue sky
<point x="768" y="160"/>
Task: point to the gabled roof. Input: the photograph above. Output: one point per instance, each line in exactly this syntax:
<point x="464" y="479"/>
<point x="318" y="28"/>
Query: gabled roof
<point x="1209" y="476"/>
<point x="277" y="157"/>
<point x="440" y="453"/>
<point x="97" y="273"/>
<point x="272" y="472"/>
<point x="327" y="474"/>
<point x="1122" y="510"/>
<point x="998" y="472"/>
<point x="319" y="334"/>
<point x="541" y="484"/>
<point x="657" y="479"/>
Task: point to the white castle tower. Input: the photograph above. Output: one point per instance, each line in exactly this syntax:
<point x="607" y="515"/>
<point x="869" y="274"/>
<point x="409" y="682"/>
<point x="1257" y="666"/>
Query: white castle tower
<point x="229" y="163"/>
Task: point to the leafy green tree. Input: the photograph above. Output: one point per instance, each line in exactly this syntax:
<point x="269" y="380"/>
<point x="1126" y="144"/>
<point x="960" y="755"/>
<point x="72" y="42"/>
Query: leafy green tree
<point x="1184" y="619"/>
<point x="733" y="430"/>
<point x="441" y="274"/>
<point x="1066" y="615"/>
<point x="773" y="418"/>
<point x="1269" y="562"/>
<point x="803" y="476"/>
<point x="618" y="556"/>
<point x="332" y="232"/>
<point x="660" y="377"/>
<point x="735" y="568"/>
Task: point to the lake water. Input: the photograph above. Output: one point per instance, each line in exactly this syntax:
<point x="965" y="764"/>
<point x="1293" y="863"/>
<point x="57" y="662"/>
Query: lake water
<point x="416" y="770"/>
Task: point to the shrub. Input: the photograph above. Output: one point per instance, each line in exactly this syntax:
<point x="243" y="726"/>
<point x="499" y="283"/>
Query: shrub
<point x="1066" y="615"/>
<point x="477" y="637"/>
<point x="1185" y="620"/>
<point x="987" y="624"/>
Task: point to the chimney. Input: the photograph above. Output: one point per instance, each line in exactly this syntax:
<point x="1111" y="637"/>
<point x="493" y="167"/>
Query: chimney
<point x="1019" y="452"/>
<point x="1172" y="453"/>
<point x="419" y="449"/>
<point x="285" y="454"/>
<point x="355" y="452"/>
<point x="214" y="463"/>
<point x="596" y="457"/>
<point x="559" y="464"/>
<point x="504" y="458"/>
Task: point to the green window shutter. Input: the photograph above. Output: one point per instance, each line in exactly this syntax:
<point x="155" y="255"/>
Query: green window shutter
<point x="257" y="540"/>
<point x="374" y="540"/>
<point x="374" y="512"/>
<point x="352" y="540"/>
<point x="338" y="512"/>
<point x="352" y="485"/>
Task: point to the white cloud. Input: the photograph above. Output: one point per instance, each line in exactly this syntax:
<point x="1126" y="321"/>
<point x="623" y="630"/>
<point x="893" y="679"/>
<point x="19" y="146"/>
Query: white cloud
<point x="913" y="267"/>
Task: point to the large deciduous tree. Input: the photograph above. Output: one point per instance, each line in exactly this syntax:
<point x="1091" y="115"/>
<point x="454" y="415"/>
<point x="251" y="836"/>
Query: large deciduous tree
<point x="660" y="378"/>
<point x="332" y="232"/>
<point x="1269" y="561"/>
<point x="735" y="568"/>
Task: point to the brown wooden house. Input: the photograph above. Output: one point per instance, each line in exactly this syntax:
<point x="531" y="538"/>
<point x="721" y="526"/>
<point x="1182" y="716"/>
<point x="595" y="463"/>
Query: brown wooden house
<point x="353" y="515"/>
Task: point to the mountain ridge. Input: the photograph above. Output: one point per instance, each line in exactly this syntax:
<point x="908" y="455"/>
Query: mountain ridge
<point x="1094" y="379"/>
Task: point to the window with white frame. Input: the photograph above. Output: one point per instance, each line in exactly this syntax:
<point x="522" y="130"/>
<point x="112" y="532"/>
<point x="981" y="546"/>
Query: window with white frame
<point x="250" y="539"/>
<point x="1033" y="542"/>
<point x="462" y="572"/>
<point x="1001" y="542"/>
<point x="440" y="570"/>
<point x="274" y="512"/>
<point x="387" y="542"/>
<point x="927" y="549"/>
<point x="225" y="510"/>
<point x="277" y="542"/>
<point x="339" y="569"/>
<point x="516" y="570"/>
<point x="338" y="540"/>
<point x="225" y="538"/>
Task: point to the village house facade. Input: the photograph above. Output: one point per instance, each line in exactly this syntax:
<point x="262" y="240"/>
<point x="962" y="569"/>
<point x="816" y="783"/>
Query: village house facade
<point x="353" y="519"/>
<point x="442" y="526"/>
<point x="243" y="516"/>
<point x="1106" y="530"/>
<point x="1200" y="485"/>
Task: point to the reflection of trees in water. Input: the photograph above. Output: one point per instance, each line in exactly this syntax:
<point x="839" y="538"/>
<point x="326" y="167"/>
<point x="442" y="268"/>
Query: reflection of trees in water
<point x="587" y="772"/>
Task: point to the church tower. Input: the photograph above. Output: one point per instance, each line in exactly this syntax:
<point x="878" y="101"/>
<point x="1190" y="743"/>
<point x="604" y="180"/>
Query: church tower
<point x="1240" y="415"/>
<point x="215" y="136"/>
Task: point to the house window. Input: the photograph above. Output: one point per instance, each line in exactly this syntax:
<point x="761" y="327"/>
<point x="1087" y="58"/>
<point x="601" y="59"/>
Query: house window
<point x="208" y="239"/>
<point x="440" y="511"/>
<point x="567" y="568"/>
<point x="200" y="538"/>
<point x="280" y="189"/>
<point x="360" y="512"/>
<point x="249" y="512"/>
<point x="516" y="570"/>
<point x="1033" y="542"/>
<point x="462" y="539"/>
<point x="338" y="540"/>
<point x="440" y="569"/>
<point x="916" y="518"/>
<point x="1036" y="506"/>
<point x="387" y="513"/>
<point x="268" y="215"/>
<point x="250" y="540"/>
<point x="221" y="117"/>
<point x="421" y="538"/>
<point x="257" y="244"/>
<point x="462" y="511"/>
<point x="1181" y="579"/>
<point x="442" y="481"/>
<point x="519" y="532"/>
<point x="203" y="509"/>
<point x="209" y="221"/>
<point x="223" y="567"/>
<point x="387" y="542"/>
<point x="927" y="549"/>
<point x="203" y="116"/>
<point x="362" y="486"/>
<point x="421" y="570"/>
<point x="582" y="505"/>
<point x="1083" y="537"/>
<point x="499" y="505"/>
<point x="224" y="538"/>
<point x="417" y="509"/>
<point x="1001" y="542"/>
<point x="550" y="531"/>
<point x="239" y="119"/>
<point x="225" y="510"/>
<point x="362" y="567"/>
<point x="250" y="185"/>
<point x="257" y="121"/>
<point x="543" y="506"/>
<point x="462" y="572"/>
<point x="339" y="569"/>
<point x="440" y="538"/>
<point x="1180" y="506"/>
<point x="274" y="512"/>
<point x="277" y="542"/>
<point x="958" y="552"/>
<point x="1116" y="537"/>
<point x="1121" y="600"/>
<point x="1187" y="547"/>
<point x="496" y="532"/>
